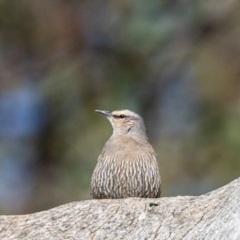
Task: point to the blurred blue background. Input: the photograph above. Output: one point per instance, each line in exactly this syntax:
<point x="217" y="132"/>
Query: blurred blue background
<point x="176" y="63"/>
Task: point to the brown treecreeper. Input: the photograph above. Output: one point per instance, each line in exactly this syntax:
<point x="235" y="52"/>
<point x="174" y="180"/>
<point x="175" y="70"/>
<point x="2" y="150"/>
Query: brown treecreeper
<point x="127" y="166"/>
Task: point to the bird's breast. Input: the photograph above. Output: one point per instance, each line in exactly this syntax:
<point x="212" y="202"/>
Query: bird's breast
<point x="126" y="175"/>
<point x="126" y="146"/>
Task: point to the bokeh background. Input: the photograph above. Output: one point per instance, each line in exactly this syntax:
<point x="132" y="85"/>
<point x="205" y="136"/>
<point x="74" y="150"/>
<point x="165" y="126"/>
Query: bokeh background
<point x="176" y="63"/>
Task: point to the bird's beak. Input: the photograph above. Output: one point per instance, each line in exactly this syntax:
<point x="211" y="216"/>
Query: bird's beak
<point x="104" y="112"/>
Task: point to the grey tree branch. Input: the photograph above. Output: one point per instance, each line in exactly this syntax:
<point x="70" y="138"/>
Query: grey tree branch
<point x="215" y="215"/>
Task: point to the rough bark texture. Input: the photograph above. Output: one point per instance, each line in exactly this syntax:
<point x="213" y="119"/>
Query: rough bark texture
<point x="215" y="215"/>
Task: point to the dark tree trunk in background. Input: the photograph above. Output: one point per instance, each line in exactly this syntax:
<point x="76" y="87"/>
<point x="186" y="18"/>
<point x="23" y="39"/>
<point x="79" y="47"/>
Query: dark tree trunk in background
<point x="215" y="215"/>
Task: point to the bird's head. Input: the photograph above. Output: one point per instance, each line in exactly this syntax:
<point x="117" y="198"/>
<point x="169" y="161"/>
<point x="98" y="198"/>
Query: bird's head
<point x="124" y="122"/>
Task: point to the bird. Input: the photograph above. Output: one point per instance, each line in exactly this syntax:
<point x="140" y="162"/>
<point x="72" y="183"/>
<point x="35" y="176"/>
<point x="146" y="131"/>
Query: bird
<point x="127" y="165"/>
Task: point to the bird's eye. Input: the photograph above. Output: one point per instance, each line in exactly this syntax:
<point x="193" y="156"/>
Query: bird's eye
<point x="119" y="116"/>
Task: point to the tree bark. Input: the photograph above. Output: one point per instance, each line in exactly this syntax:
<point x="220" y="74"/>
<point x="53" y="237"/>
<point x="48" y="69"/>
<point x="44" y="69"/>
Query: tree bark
<point x="215" y="215"/>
